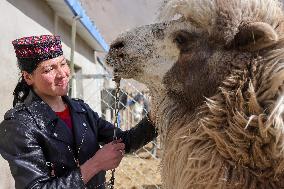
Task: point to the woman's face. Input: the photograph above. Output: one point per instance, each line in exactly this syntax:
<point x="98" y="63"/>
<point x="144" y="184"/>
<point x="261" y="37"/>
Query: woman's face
<point x="50" y="78"/>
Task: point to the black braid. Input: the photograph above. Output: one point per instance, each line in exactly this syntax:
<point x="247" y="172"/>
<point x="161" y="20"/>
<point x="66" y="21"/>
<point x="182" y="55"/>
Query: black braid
<point x="21" y="91"/>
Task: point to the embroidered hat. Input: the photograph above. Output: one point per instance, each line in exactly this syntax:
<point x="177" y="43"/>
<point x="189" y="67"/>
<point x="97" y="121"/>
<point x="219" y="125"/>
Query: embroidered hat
<point x="30" y="51"/>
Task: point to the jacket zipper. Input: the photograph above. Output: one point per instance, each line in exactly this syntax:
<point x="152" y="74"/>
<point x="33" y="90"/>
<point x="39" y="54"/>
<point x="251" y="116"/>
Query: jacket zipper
<point x="79" y="148"/>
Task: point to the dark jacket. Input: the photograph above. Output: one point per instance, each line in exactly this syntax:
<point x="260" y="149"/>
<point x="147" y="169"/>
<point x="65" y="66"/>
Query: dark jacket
<point x="35" y="141"/>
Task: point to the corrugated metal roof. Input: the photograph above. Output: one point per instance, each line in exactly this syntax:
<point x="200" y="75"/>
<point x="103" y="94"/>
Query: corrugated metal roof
<point x="67" y="9"/>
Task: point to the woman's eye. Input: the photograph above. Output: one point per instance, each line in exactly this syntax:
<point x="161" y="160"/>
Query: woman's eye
<point x="47" y="70"/>
<point x="63" y="63"/>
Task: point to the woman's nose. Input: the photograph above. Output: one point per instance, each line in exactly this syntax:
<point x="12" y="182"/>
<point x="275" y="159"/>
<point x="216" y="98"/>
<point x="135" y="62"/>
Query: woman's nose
<point x="61" y="72"/>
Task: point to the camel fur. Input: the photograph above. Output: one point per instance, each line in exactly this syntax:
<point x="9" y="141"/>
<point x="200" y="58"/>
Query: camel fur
<point x="215" y="69"/>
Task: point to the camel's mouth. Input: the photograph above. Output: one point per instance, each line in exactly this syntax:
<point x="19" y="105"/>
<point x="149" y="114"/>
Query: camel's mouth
<point x="114" y="61"/>
<point x="123" y="66"/>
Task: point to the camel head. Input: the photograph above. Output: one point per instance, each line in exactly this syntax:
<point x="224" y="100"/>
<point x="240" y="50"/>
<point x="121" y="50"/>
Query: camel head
<point x="191" y="56"/>
<point x="147" y="53"/>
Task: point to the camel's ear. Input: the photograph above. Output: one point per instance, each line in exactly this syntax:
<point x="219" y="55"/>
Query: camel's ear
<point x="255" y="36"/>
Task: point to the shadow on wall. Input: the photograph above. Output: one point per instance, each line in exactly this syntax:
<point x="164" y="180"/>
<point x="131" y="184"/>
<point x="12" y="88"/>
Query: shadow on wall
<point x="6" y="179"/>
<point x="42" y="14"/>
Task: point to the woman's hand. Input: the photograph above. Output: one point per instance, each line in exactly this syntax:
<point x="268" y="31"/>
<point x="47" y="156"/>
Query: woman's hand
<point x="108" y="157"/>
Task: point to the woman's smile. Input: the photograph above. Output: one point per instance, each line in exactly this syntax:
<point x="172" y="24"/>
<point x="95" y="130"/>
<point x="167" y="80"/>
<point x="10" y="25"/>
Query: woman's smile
<point x="62" y="83"/>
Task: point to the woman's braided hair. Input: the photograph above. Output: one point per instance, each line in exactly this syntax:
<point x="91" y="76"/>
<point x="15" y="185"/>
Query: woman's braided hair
<point x="21" y="91"/>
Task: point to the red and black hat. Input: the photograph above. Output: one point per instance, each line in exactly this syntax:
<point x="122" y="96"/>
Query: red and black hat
<point x="30" y="51"/>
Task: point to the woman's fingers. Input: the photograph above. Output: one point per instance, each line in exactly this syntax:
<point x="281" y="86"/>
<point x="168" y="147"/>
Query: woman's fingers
<point x="117" y="141"/>
<point x="122" y="152"/>
<point x="118" y="145"/>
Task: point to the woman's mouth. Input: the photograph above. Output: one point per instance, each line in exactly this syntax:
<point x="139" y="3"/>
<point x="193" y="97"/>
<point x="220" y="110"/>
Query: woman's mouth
<point x="61" y="83"/>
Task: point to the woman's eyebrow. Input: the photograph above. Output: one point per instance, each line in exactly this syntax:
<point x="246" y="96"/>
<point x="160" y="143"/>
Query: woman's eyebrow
<point x="53" y="63"/>
<point x="62" y="60"/>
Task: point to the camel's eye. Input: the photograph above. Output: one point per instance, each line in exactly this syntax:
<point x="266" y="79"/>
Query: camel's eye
<point x="183" y="39"/>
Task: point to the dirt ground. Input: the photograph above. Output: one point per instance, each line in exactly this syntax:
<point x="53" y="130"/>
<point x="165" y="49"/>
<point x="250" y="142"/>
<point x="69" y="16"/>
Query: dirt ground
<point x="137" y="171"/>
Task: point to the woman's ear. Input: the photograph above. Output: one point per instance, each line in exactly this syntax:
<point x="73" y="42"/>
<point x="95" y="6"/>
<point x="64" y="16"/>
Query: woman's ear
<point x="27" y="77"/>
<point x="255" y="36"/>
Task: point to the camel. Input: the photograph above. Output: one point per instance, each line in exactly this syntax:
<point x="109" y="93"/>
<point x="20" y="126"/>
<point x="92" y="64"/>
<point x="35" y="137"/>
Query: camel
<point x="215" y="70"/>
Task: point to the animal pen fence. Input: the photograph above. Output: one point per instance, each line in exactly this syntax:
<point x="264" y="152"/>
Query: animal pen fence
<point x="141" y="168"/>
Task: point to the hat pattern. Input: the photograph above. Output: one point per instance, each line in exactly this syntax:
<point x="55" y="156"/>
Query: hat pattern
<point x="35" y="49"/>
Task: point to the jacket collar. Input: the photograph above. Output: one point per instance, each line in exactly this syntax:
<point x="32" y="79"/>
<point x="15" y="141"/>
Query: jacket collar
<point x="74" y="105"/>
<point x="41" y="112"/>
<point x="45" y="114"/>
<point x="46" y="118"/>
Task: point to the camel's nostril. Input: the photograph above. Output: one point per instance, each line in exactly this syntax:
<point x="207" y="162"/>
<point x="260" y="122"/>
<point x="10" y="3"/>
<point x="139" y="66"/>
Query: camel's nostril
<point x="121" y="55"/>
<point x="117" y="45"/>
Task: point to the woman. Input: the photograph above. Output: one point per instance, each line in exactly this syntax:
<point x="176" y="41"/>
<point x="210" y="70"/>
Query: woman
<point x="50" y="140"/>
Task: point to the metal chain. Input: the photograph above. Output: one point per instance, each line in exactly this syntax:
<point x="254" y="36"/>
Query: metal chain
<point x="106" y="184"/>
<point x="116" y="79"/>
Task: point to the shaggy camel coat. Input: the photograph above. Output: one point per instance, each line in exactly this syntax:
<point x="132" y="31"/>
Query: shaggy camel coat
<point x="215" y="69"/>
